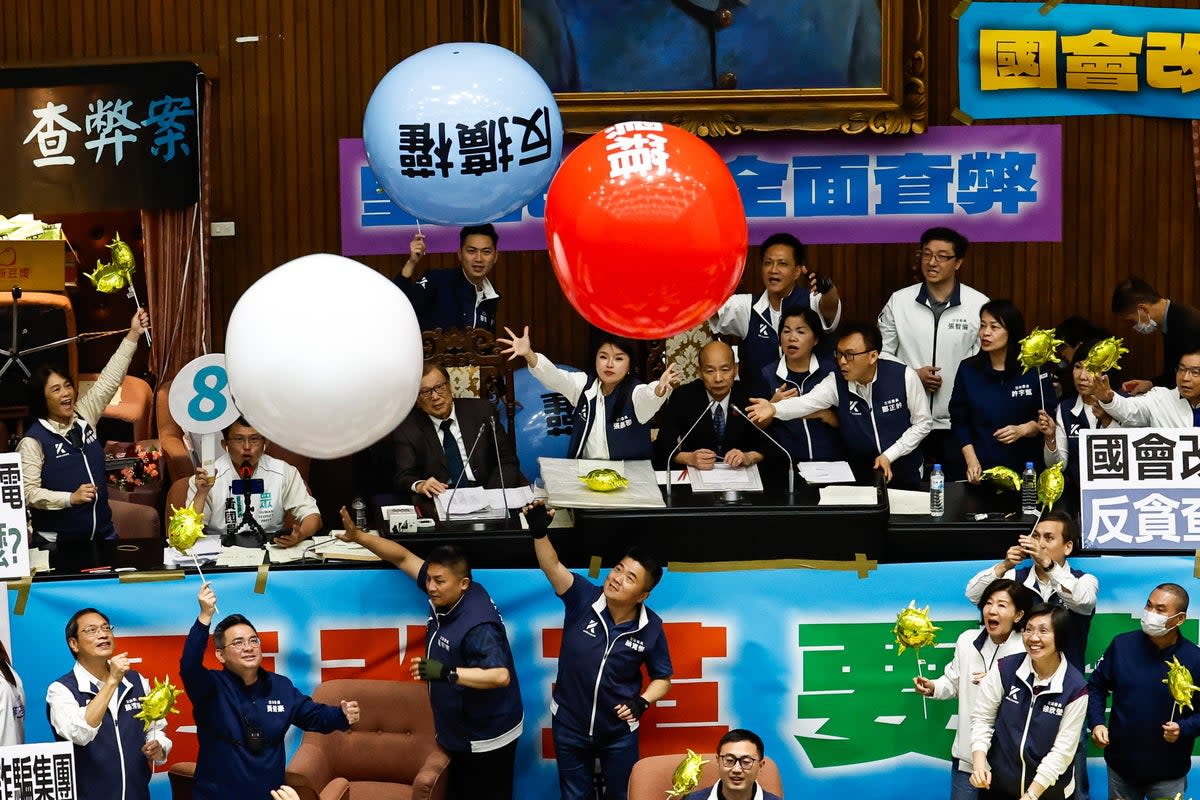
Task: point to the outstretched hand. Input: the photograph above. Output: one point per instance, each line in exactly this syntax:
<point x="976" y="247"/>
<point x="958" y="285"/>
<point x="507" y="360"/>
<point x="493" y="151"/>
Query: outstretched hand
<point x="515" y="346"/>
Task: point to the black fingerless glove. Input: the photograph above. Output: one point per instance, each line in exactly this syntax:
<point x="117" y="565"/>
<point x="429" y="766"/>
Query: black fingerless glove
<point x="637" y="706"/>
<point x="824" y="284"/>
<point x="431" y="670"/>
<point x="539" y="520"/>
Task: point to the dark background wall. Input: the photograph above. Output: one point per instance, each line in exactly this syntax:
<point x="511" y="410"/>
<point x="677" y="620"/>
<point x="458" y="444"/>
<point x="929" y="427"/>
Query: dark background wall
<point x="281" y="104"/>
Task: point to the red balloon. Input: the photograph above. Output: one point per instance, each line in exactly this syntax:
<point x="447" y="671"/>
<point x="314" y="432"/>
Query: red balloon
<point x="646" y="230"/>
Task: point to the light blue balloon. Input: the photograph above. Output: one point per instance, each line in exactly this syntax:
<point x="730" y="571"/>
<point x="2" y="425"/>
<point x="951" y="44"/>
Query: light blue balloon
<point x="435" y="131"/>
<point x="543" y="422"/>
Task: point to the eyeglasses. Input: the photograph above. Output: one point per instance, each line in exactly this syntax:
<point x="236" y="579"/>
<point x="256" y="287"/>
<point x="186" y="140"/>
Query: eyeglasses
<point x="438" y="388"/>
<point x="729" y="762"/>
<point x="92" y="630"/>
<point x="244" y="441"/>
<point x="936" y="258"/>
<point x="1191" y="372"/>
<point x="843" y="356"/>
<point x="244" y="644"/>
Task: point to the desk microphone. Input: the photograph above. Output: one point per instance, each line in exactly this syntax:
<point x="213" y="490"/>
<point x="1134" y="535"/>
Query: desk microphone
<point x="486" y="425"/>
<point x="791" y="474"/>
<point x="682" y="439"/>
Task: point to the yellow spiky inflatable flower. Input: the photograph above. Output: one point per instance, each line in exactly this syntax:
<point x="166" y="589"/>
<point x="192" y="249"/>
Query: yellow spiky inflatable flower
<point x="914" y="628"/>
<point x="687" y="775"/>
<point x="158" y="702"/>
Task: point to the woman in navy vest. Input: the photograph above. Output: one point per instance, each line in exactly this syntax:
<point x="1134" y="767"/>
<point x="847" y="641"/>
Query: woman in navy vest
<point x="612" y="410"/>
<point x="1079" y="410"/>
<point x="995" y="403"/>
<point x="803" y="366"/>
<point x="62" y="459"/>
<point x="1028" y="716"/>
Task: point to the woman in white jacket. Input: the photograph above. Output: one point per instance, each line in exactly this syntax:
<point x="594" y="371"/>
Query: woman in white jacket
<point x="12" y="702"/>
<point x="1003" y="607"/>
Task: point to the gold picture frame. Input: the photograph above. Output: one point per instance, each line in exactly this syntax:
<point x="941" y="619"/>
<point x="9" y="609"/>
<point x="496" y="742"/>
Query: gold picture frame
<point x="898" y="106"/>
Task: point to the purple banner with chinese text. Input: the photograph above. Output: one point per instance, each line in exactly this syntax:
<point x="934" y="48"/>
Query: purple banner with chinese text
<point x="992" y="183"/>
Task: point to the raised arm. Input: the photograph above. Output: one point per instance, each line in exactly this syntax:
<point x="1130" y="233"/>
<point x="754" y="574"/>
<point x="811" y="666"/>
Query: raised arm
<point x="404" y="559"/>
<point x="539" y="520"/>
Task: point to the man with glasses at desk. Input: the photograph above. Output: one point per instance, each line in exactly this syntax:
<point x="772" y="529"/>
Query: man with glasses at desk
<point x="93" y="707"/>
<point x="739" y="760"/>
<point x="434" y="441"/>
<point x="882" y="408"/>
<point x="1160" y="407"/>
<point x="283" y="489"/>
<point x="932" y="326"/>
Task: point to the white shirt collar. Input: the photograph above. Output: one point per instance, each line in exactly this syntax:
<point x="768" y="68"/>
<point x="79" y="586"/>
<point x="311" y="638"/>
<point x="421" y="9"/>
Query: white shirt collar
<point x="437" y="423"/>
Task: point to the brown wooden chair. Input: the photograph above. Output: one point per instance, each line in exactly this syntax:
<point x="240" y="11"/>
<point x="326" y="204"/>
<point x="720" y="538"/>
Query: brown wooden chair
<point x="651" y="777"/>
<point x="476" y="365"/>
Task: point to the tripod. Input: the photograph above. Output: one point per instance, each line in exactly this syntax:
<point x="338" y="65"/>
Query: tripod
<point x="14" y="353"/>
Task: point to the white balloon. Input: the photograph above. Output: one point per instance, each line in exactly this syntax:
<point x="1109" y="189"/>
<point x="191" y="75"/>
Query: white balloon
<point x="324" y="355"/>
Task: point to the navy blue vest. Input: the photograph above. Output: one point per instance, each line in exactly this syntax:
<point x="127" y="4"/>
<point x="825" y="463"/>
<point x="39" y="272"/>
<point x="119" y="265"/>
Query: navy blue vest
<point x="805" y="439"/>
<point x="461" y="715"/>
<point x="627" y="438"/>
<point x="451" y="302"/>
<point x="760" y="345"/>
<point x="1013" y="718"/>
<point x="869" y="429"/>
<point x="1073" y="423"/>
<point x="115" y="755"/>
<point x="64" y="469"/>
<point x="1080" y="623"/>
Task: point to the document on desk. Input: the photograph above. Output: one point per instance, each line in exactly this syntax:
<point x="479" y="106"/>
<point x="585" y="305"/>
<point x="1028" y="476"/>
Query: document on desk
<point x="724" y="478"/>
<point x="337" y="550"/>
<point x="206" y="549"/>
<point x="241" y="557"/>
<point x="473" y="502"/>
<point x="825" y="471"/>
<point x="39" y="560"/>
<point x="908" y="501"/>
<point x="286" y="555"/>
<point x="566" y="490"/>
<point x="848" y="496"/>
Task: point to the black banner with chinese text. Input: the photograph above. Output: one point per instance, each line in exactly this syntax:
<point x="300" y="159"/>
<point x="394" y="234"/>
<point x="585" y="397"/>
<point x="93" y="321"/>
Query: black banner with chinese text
<point x="99" y="138"/>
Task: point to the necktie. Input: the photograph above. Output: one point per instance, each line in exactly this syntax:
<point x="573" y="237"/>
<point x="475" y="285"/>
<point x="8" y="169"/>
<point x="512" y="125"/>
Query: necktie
<point x="454" y="461"/>
<point x="719" y="426"/>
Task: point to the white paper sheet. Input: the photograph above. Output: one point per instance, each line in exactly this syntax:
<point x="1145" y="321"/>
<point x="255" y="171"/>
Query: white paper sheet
<point x="240" y="557"/>
<point x="286" y="555"/>
<point x="825" y="471"/>
<point x="39" y="560"/>
<point x="847" y="496"/>
<point x="565" y="490"/>
<point x="206" y="550"/>
<point x="908" y="501"/>
<point x="723" y="477"/>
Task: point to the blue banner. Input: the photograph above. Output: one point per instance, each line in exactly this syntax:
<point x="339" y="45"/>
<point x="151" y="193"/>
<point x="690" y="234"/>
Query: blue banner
<point x="805" y="658"/>
<point x="1014" y="61"/>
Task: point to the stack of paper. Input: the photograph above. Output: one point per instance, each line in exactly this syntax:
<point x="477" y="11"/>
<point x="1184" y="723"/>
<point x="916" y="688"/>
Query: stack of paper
<point x="848" y="496"/>
<point x="336" y="549"/>
<point x="473" y="502"/>
<point x="205" y="550"/>
<point x="723" y="477"/>
<point x="240" y="557"/>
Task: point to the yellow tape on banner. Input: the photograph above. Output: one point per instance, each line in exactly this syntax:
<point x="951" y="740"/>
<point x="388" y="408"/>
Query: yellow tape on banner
<point x="21" y="587"/>
<point x="962" y="116"/>
<point x="1048" y="6"/>
<point x="594" y="567"/>
<point x="861" y="565"/>
<point x="260" y="582"/>
<point x="1196" y="567"/>
<point x="153" y="576"/>
<point x="960" y="9"/>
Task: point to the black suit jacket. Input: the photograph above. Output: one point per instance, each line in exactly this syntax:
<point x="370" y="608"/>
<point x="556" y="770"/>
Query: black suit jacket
<point x="688" y="402"/>
<point x="1182" y="335"/>
<point x="419" y="453"/>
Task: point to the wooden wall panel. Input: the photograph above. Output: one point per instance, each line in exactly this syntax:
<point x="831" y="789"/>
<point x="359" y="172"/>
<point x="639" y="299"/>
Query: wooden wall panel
<point x="281" y="104"/>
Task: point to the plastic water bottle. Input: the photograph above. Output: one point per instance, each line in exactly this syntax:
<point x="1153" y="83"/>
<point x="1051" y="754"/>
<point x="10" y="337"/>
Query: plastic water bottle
<point x="359" y="509"/>
<point x="1029" y="490"/>
<point x="937" y="491"/>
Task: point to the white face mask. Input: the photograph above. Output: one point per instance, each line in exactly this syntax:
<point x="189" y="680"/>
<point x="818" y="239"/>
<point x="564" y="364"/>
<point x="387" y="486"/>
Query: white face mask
<point x="1149" y="326"/>
<point x="1155" y="624"/>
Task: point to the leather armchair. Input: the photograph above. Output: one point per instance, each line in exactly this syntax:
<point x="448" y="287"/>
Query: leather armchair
<point x="391" y="754"/>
